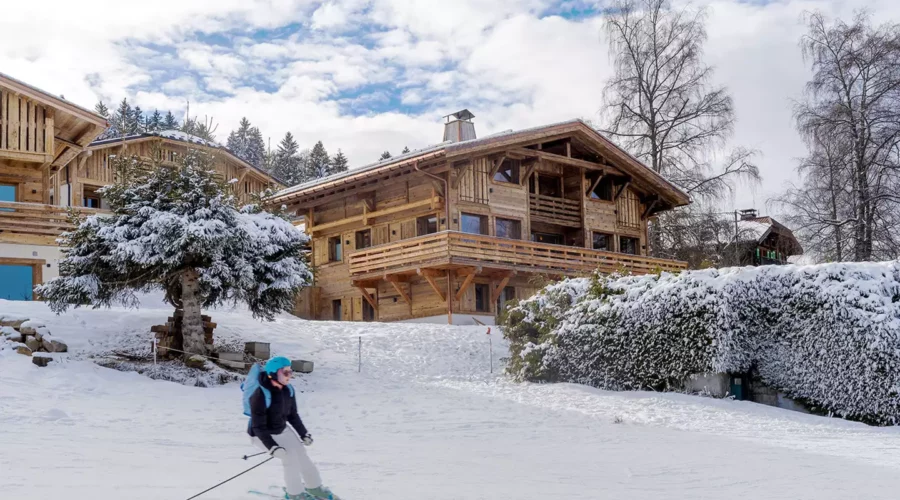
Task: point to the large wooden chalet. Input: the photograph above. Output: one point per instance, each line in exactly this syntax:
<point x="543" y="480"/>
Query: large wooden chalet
<point x="451" y="232"/>
<point x="49" y="163"/>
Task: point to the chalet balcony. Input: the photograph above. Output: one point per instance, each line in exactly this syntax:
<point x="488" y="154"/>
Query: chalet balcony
<point x="554" y="210"/>
<point x="35" y="223"/>
<point x="451" y="250"/>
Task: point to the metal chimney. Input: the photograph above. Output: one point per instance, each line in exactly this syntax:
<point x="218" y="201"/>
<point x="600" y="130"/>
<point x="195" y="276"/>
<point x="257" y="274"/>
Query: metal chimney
<point x="458" y="126"/>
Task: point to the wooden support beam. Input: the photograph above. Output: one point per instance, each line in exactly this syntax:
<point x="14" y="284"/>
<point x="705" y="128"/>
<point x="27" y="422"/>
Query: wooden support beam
<point x="650" y="207"/>
<point x="594" y="185"/>
<point x="438" y="187"/>
<point x="622" y="188"/>
<point x="558" y="158"/>
<point x="568" y="150"/>
<point x="402" y="293"/>
<point x="496" y="166"/>
<point x="462" y="171"/>
<point x="467" y="271"/>
<point x="499" y="289"/>
<point x="465" y="286"/>
<point x="368" y="297"/>
<point x="430" y="275"/>
<point x="379" y="213"/>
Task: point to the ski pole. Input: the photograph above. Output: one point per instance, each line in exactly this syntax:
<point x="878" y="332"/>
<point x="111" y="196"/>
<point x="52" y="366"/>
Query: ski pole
<point x="255" y="455"/>
<point x="230" y="478"/>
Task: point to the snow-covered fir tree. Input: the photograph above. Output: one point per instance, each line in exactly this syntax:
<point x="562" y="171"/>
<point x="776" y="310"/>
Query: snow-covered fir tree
<point x="140" y="125"/>
<point x="247" y="143"/>
<point x="170" y="122"/>
<point x="287" y="164"/>
<point x="177" y="229"/>
<point x="318" y="164"/>
<point x="385" y="156"/>
<point x="405" y="150"/>
<point x="103" y="111"/>
<point x="154" y="122"/>
<point x="123" y="120"/>
<point x="339" y="163"/>
<point x="256" y="151"/>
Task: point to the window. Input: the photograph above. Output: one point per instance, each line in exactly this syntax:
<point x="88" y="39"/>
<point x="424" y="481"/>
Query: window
<point x="547" y="185"/>
<point x="604" y="190"/>
<point x="482" y="297"/>
<point x="368" y="312"/>
<point x="628" y="245"/>
<point x="553" y="239"/>
<point x="427" y="224"/>
<point x="336" y="311"/>
<point x="603" y="241"/>
<point x="508" y="228"/>
<point x="91" y="201"/>
<point x="508" y="171"/>
<point x="7" y="194"/>
<point x="507" y="294"/>
<point x="473" y="224"/>
<point x="363" y="239"/>
<point x="335" y="250"/>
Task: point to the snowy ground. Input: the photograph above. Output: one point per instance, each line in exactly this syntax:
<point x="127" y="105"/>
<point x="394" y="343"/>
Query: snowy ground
<point x="423" y="420"/>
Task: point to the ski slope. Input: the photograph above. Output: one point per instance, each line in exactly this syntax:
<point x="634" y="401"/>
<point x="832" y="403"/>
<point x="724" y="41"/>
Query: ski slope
<point x="421" y="417"/>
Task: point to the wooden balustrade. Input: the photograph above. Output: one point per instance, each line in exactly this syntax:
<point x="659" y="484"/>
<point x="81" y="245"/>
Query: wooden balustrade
<point x="35" y="223"/>
<point x="26" y="129"/>
<point x="560" y="211"/>
<point x="451" y="249"/>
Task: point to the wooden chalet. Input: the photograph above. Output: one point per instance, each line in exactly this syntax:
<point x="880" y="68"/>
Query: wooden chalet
<point x="95" y="171"/>
<point x="762" y="241"/>
<point x="451" y="232"/>
<point x="49" y="164"/>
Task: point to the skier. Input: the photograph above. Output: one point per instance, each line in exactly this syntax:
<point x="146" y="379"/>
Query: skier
<point x="270" y="415"/>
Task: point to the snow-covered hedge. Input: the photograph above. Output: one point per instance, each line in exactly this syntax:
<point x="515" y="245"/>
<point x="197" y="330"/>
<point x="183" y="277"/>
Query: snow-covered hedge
<point x="828" y="335"/>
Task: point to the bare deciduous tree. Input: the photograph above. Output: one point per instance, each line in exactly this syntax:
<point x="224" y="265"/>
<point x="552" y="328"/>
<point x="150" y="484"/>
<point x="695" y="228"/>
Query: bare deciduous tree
<point x="662" y="106"/>
<point x="850" y="196"/>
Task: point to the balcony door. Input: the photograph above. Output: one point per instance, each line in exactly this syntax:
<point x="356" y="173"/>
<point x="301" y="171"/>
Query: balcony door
<point x="8" y="193"/>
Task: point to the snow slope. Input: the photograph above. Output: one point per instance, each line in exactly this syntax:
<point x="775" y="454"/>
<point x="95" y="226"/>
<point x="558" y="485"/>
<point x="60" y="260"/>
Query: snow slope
<point x="424" y="419"/>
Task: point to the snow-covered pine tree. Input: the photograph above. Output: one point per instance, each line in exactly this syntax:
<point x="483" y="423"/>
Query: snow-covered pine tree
<point x="385" y="156"/>
<point x="139" y="121"/>
<point x="339" y="163"/>
<point x="239" y="140"/>
<point x="123" y="119"/>
<point x="154" y="122"/>
<point x="405" y="150"/>
<point x="318" y="164"/>
<point x="176" y="229"/>
<point x="111" y="132"/>
<point x="256" y="149"/>
<point x="286" y="164"/>
<point x="170" y="122"/>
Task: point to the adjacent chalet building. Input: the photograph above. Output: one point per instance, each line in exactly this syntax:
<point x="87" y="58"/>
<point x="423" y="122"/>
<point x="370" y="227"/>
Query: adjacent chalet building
<point x="763" y="241"/>
<point x="49" y="164"/>
<point x="451" y="232"/>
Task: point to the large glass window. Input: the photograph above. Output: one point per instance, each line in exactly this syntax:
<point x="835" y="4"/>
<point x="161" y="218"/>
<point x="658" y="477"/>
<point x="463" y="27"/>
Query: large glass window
<point x="554" y="239"/>
<point x="473" y="224"/>
<point x="482" y="298"/>
<point x="629" y="245"/>
<point x="335" y="249"/>
<point x="508" y="171"/>
<point x="603" y="241"/>
<point x="508" y="228"/>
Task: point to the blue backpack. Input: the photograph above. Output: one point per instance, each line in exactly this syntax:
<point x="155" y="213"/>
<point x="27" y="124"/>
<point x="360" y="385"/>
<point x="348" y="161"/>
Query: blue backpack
<point x="251" y="384"/>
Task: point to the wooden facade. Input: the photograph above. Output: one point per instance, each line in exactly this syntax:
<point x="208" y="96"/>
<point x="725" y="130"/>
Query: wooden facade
<point x="458" y="229"/>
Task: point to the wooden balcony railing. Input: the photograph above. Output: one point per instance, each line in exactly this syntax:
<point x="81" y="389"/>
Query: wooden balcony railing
<point x="35" y="223"/>
<point x="555" y="210"/>
<point x="451" y="249"/>
<point x="26" y="129"/>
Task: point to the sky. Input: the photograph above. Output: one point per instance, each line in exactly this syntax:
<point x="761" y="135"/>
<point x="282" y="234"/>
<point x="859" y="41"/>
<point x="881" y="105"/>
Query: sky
<point x="367" y="76"/>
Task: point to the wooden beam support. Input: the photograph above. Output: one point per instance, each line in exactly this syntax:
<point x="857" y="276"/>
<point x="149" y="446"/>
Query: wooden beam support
<point x="496" y="166"/>
<point x="558" y="158"/>
<point x="467" y="271"/>
<point x="402" y="293"/>
<point x="622" y="188"/>
<point x="380" y="213"/>
<point x="499" y="289"/>
<point x="368" y="297"/>
<point x="430" y="275"/>
<point x="594" y="185"/>
<point x="462" y="171"/>
<point x="465" y="286"/>
<point x="650" y="207"/>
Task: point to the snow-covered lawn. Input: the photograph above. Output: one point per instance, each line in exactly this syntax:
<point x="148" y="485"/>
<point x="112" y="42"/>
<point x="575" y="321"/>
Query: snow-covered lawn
<point x="423" y="420"/>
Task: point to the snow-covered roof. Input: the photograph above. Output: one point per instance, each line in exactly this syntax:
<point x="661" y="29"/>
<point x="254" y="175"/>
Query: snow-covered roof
<point x="752" y="230"/>
<point x="757" y="229"/>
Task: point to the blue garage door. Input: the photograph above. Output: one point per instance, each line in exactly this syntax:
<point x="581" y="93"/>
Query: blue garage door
<point x="16" y="282"/>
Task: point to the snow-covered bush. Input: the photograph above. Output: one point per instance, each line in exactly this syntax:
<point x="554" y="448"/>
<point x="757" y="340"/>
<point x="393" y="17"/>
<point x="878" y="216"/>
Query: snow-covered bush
<point x="828" y="335"/>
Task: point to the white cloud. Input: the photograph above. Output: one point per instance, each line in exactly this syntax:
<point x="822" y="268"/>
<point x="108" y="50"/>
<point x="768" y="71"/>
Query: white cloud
<point x="500" y="59"/>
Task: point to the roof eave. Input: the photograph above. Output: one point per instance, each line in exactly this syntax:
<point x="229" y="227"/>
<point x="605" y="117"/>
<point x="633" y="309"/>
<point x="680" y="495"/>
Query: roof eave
<point x="49" y="99"/>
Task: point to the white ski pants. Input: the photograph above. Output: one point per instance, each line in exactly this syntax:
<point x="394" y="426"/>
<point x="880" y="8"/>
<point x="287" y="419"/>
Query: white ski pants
<point x="298" y="468"/>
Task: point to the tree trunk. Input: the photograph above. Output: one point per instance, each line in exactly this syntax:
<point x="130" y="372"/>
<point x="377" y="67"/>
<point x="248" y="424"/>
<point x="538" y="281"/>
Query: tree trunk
<point x="192" y="324"/>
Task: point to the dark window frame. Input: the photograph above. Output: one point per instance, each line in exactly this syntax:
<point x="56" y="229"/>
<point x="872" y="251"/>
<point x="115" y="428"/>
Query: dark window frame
<point x="424" y="222"/>
<point x="335" y="249"/>
<point x="517" y="232"/>
<point x="337" y="310"/>
<point x="610" y="241"/>
<point x="623" y="246"/>
<point x="363" y="239"/>
<point x="484" y="304"/>
<point x="510" y="172"/>
<point x="483" y="223"/>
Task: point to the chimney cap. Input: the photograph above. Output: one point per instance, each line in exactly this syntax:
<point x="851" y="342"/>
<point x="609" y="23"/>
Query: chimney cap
<point x="463" y="114"/>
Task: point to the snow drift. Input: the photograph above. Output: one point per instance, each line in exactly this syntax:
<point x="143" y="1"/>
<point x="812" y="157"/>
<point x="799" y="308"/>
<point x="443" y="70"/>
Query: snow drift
<point x="828" y="335"/>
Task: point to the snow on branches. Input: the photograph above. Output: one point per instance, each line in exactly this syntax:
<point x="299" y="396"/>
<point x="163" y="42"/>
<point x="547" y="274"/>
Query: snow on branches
<point x="828" y="335"/>
<point x="178" y="228"/>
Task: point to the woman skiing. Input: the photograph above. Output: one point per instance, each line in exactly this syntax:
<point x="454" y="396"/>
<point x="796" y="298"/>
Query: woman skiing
<point x="272" y="408"/>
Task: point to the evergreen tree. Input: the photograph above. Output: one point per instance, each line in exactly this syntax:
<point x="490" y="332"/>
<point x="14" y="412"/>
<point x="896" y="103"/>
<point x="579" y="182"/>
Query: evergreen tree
<point x="287" y="164"/>
<point x="154" y="122"/>
<point x="123" y="120"/>
<point x="339" y="163"/>
<point x="110" y="132"/>
<point x="239" y="140"/>
<point x="256" y="150"/>
<point x="405" y="150"/>
<point x="176" y="229"/>
<point x="202" y="129"/>
<point x="138" y="120"/>
<point x="384" y="156"/>
<point x="169" y="122"/>
<point x="318" y="164"/>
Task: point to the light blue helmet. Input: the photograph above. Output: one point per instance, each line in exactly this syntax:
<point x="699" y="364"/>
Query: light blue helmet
<point x="276" y="363"/>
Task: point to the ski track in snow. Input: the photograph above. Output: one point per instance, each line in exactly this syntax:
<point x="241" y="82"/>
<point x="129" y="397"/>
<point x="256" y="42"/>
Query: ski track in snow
<point x="423" y="420"/>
